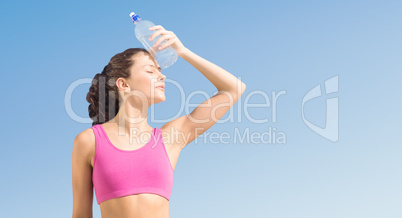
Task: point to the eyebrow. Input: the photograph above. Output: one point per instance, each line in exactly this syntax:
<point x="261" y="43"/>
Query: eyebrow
<point x="153" y="66"/>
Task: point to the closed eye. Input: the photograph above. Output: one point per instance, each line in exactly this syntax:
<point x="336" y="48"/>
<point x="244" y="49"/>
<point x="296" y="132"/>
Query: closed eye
<point x="150" y="72"/>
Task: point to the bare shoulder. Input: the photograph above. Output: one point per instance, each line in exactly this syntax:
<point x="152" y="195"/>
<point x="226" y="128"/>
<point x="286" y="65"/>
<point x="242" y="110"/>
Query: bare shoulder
<point x="82" y="174"/>
<point x="84" y="144"/>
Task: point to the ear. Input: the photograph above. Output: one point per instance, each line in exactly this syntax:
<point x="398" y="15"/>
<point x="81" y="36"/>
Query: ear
<point x="122" y="84"/>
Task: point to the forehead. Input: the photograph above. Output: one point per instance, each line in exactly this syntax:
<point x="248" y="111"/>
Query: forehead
<point x="144" y="60"/>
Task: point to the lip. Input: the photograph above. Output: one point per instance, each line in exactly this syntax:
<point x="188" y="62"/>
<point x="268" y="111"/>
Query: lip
<point x="161" y="87"/>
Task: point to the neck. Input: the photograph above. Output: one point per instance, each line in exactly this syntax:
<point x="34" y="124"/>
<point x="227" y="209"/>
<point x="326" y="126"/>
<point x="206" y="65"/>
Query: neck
<point x="131" y="118"/>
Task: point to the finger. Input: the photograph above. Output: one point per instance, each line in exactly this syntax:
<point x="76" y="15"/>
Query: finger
<point x="167" y="44"/>
<point x="157" y="33"/>
<point x="156" y="27"/>
<point x="164" y="37"/>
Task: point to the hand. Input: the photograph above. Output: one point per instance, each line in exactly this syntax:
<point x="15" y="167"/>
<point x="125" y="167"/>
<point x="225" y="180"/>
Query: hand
<point x="169" y="36"/>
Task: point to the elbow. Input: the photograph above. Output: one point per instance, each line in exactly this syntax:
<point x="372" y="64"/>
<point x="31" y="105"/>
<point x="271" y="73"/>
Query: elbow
<point x="243" y="85"/>
<point x="241" y="89"/>
<point x="236" y="92"/>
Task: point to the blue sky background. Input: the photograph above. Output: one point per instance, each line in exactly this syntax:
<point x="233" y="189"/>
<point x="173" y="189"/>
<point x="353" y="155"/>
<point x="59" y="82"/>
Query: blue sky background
<point x="272" y="46"/>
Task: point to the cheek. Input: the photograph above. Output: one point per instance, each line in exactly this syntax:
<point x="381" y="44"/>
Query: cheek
<point x="142" y="84"/>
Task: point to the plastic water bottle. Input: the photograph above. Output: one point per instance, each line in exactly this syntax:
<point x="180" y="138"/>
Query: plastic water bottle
<point x="165" y="57"/>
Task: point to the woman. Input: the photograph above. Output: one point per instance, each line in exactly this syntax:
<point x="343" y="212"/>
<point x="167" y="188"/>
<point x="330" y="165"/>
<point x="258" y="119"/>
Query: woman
<point x="134" y="178"/>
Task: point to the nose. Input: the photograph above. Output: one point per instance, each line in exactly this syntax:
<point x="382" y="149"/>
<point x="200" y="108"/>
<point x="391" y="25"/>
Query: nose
<point x="162" y="77"/>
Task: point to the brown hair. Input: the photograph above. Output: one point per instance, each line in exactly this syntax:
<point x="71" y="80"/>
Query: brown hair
<point x="103" y="95"/>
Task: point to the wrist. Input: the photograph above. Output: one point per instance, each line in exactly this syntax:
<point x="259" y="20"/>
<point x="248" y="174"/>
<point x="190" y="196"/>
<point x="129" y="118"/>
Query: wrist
<point x="183" y="52"/>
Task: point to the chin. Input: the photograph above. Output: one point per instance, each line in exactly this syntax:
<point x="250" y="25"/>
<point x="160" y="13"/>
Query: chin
<point x="159" y="100"/>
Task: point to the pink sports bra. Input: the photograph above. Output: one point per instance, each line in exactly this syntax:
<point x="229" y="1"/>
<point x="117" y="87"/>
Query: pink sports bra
<point x="118" y="172"/>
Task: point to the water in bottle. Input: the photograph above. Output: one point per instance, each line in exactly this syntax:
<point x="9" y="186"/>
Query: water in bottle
<point x="165" y="57"/>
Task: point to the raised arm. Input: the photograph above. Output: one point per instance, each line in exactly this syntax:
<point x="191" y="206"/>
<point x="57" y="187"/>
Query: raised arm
<point x="210" y="111"/>
<point x="82" y="174"/>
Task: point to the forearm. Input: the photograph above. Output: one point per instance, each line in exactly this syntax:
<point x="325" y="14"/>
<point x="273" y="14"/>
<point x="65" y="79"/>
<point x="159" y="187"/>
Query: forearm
<point x="220" y="78"/>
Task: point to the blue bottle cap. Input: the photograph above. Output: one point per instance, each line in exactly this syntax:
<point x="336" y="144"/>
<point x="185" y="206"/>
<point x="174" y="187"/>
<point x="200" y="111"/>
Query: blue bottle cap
<point x="134" y="17"/>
